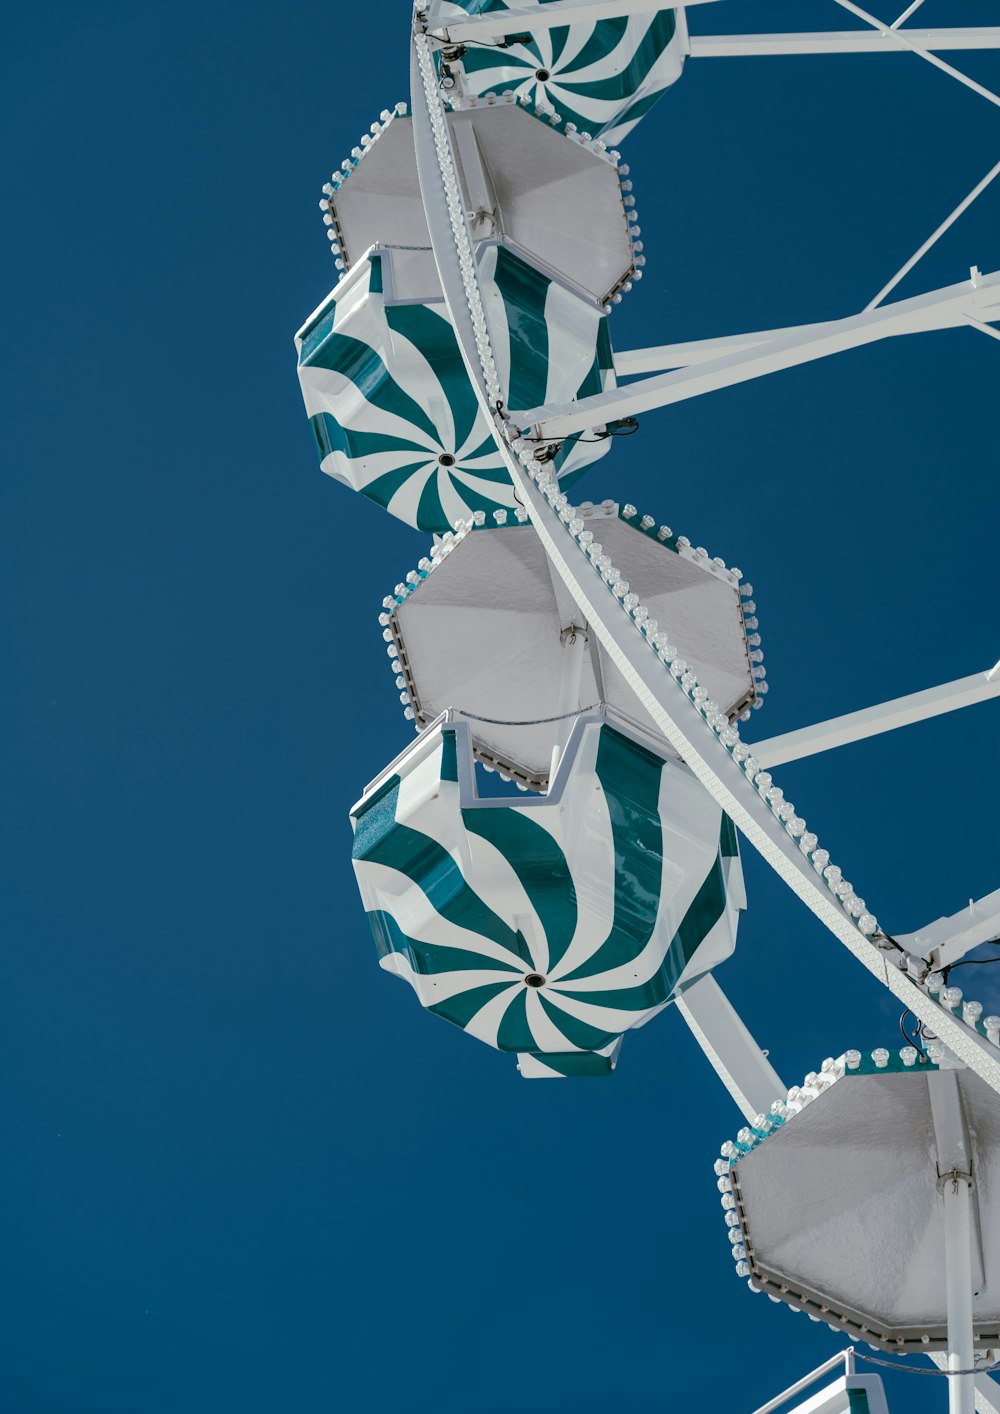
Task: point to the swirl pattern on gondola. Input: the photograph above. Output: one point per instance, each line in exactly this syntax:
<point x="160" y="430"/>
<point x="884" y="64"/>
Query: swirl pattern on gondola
<point x="549" y="927"/>
<point x="604" y="77"/>
<point x="389" y="400"/>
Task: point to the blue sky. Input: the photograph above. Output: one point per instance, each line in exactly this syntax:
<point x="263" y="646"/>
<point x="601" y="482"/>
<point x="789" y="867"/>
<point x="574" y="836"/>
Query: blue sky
<point x="242" y="1169"/>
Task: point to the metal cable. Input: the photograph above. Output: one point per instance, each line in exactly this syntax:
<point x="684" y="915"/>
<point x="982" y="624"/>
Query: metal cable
<point x="916" y="1370"/>
<point x="532" y="722"/>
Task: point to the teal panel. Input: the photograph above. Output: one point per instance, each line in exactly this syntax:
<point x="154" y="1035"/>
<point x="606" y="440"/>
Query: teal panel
<point x="541" y="869"/>
<point x="629" y="776"/>
<point x="598" y="71"/>
<point x="575" y="1063"/>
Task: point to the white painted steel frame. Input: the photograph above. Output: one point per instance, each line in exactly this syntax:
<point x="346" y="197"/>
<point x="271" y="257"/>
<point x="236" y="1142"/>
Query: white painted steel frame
<point x="987" y="1389"/>
<point x="958" y="1276"/>
<point x="845" y="1357"/>
<point x="884" y="39"/>
<point x="983" y="328"/>
<point x="682" y="726"/>
<point x="893" y="36"/>
<point x="883" y="717"/>
<point x="963" y="1265"/>
<point x="963" y="1254"/>
<point x="853" y="41"/>
<point x="834" y="1398"/>
<point x="729" y="1048"/>
<point x="947" y="939"/>
<point x="934" y="237"/>
<point x="753" y="355"/>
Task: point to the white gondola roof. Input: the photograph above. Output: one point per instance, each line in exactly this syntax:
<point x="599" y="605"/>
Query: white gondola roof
<point x="839" y="1207"/>
<point x="554" y="200"/>
<point x="482" y="634"/>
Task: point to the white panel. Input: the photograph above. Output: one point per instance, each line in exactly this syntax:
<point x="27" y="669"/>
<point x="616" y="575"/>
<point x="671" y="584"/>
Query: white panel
<point x="481" y="635"/>
<point x="843" y="1202"/>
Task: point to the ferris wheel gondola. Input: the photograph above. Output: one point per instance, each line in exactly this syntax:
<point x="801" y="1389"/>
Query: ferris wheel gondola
<point x="548" y="926"/>
<point x="434" y="209"/>
<point x="603" y="75"/>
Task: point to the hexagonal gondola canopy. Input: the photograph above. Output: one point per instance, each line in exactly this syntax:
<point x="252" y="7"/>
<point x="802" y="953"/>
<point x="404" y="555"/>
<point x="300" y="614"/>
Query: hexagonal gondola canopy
<point x="553" y="200"/>
<point x="484" y="634"/>
<point x="841" y="1210"/>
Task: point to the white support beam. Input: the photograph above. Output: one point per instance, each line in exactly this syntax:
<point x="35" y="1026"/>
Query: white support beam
<point x="731" y="1051"/>
<point x="983" y="328"/>
<point x="498" y="24"/>
<point x="963" y="1248"/>
<point x="987" y="1389"/>
<point x="631" y="363"/>
<point x="910" y="9"/>
<point x="680" y="722"/>
<point x="853" y="41"/>
<point x="573" y="641"/>
<point x="892" y="35"/>
<point x="946" y="940"/>
<point x="958" y="1279"/>
<point x="885" y="717"/>
<point x="987" y="1395"/>
<point x="940" y="309"/>
<point x="660" y="358"/>
<point x="934" y="237"/>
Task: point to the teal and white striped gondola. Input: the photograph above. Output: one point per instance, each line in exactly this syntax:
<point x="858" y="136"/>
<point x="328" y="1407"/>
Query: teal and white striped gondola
<point x="549" y="925"/>
<point x="603" y="77"/>
<point x="390" y="403"/>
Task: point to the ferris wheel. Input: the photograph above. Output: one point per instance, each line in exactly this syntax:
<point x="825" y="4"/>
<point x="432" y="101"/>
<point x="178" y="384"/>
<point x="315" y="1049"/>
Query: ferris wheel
<point x="462" y="374"/>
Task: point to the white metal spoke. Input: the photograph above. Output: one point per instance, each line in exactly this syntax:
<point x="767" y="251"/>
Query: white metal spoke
<point x="932" y="239"/>
<point x="885" y="717"/>
<point x="910" y="10"/>
<point x="843" y="1357"/>
<point x="894" y="34"/>
<point x="497" y="24"/>
<point x="940" y="309"/>
<point x="730" y="1049"/>
<point x="848" y="41"/>
<point x="631" y="362"/>
<point x="963" y="1258"/>
<point x="946" y="940"/>
<point x="983" y="328"/>
<point x="674" y="714"/>
<point x="987" y="1389"/>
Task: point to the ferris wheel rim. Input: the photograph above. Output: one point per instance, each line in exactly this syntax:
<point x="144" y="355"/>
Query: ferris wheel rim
<point x="452" y="251"/>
